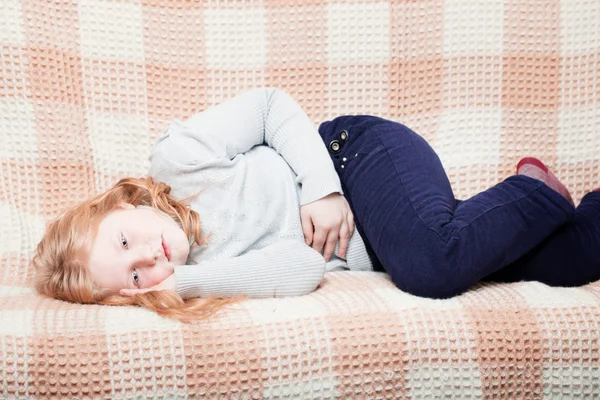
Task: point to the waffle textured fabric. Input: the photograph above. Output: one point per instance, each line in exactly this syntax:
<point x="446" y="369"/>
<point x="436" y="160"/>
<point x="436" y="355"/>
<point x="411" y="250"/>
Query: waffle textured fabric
<point x="87" y="86"/>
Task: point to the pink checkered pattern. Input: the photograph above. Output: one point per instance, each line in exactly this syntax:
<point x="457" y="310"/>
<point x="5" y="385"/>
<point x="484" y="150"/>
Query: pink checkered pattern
<point x="86" y="87"/>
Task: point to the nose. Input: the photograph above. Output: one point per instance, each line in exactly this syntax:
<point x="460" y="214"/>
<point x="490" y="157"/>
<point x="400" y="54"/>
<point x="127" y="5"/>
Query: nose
<point x="148" y="255"/>
<point x="150" y="272"/>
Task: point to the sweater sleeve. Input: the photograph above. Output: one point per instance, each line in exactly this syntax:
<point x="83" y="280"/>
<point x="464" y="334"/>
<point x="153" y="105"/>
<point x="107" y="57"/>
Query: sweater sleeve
<point x="265" y="116"/>
<point x="286" y="268"/>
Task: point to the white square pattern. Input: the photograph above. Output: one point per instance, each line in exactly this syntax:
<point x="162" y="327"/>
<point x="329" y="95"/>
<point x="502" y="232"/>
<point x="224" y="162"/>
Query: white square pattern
<point x="358" y="32"/>
<point x="132" y="320"/>
<point x="116" y="140"/>
<point x="305" y="387"/>
<point x="15" y="291"/>
<point x="450" y="380"/>
<point x="274" y="310"/>
<point x="25" y="229"/>
<point x="235" y="38"/>
<point x="539" y="295"/>
<point x="17" y="323"/>
<point x="111" y="29"/>
<point x="472" y="132"/>
<point x="443" y="371"/>
<point x="578" y="136"/>
<point x="401" y="301"/>
<point x="11" y="22"/>
<point x="473" y="26"/>
<point x="578" y="20"/>
<point x="19" y="134"/>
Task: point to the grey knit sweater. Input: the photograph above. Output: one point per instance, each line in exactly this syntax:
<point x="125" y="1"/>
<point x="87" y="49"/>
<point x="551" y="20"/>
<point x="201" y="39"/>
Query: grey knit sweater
<point x="257" y="158"/>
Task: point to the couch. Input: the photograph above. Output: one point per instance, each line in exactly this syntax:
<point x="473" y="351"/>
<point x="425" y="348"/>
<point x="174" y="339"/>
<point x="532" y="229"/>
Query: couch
<point x="87" y="86"/>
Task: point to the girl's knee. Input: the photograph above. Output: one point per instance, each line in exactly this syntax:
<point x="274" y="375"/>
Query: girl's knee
<point x="438" y="283"/>
<point x="435" y="291"/>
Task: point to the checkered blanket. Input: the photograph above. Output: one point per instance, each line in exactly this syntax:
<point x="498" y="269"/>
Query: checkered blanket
<point x="87" y="86"/>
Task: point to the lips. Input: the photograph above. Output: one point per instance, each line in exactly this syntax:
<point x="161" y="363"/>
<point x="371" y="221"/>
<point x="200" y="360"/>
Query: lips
<point x="166" y="249"/>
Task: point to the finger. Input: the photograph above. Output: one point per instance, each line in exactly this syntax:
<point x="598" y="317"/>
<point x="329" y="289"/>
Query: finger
<point x="319" y="239"/>
<point x="330" y="244"/>
<point x="344" y="240"/>
<point x="307" y="228"/>
<point x="350" y="223"/>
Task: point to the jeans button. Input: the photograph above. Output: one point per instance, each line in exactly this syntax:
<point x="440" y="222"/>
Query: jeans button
<point x="344" y="135"/>
<point x="334" y="146"/>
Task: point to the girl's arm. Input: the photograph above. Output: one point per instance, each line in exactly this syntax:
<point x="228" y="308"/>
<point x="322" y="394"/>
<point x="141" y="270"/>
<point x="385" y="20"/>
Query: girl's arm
<point x="255" y="117"/>
<point x="286" y="268"/>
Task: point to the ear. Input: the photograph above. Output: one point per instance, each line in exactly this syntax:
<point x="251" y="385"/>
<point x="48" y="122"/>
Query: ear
<point x="127" y="206"/>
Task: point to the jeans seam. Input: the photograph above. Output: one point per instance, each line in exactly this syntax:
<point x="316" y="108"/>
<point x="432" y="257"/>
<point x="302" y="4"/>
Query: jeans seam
<point x="537" y="188"/>
<point x="404" y="185"/>
<point x="457" y="231"/>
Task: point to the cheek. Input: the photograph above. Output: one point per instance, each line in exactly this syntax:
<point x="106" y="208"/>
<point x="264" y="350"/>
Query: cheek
<point x="157" y="275"/>
<point x="184" y="250"/>
<point x="179" y="245"/>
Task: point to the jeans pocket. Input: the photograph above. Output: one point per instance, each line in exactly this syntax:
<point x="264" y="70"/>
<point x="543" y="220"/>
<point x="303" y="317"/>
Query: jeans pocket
<point x="352" y="162"/>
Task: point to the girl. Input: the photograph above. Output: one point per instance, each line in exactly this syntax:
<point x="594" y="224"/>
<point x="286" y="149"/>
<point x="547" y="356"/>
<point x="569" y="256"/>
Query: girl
<point x="278" y="200"/>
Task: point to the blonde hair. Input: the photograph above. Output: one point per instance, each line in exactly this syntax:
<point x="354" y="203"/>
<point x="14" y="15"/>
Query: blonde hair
<point x="60" y="258"/>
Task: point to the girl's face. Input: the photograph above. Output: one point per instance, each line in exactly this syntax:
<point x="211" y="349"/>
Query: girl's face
<point x="136" y="248"/>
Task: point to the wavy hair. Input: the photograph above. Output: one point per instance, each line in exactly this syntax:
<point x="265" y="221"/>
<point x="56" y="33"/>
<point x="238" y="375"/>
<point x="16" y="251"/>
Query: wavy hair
<point x="60" y="258"/>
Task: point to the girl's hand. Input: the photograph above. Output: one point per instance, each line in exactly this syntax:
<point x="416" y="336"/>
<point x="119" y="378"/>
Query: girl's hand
<point x="324" y="221"/>
<point x="167" y="284"/>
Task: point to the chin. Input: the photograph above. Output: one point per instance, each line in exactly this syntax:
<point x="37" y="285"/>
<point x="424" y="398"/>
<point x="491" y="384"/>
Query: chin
<point x="183" y="260"/>
<point x="180" y="258"/>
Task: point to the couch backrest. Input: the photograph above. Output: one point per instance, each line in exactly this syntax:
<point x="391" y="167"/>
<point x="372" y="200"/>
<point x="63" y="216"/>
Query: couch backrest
<point x="86" y="86"/>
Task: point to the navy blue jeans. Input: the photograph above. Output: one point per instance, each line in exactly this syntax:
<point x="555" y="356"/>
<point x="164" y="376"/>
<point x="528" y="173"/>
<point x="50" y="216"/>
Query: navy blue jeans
<point x="435" y="246"/>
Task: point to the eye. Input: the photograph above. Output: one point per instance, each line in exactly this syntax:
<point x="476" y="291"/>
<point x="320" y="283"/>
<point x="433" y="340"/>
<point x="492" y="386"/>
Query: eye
<point x="136" y="278"/>
<point x="124" y="242"/>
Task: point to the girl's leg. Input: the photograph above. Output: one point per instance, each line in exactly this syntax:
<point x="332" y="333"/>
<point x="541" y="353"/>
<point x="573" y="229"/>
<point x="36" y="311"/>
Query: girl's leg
<point x="570" y="256"/>
<point x="405" y="210"/>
